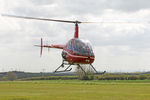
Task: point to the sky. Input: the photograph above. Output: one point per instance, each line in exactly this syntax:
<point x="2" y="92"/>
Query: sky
<point x="118" y="47"/>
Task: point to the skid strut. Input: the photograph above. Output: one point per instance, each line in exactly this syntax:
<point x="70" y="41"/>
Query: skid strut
<point x="79" y="66"/>
<point x="96" y="72"/>
<point x="63" y="65"/>
<point x="93" y="68"/>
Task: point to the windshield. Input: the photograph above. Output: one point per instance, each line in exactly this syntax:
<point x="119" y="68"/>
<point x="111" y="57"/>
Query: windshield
<point x="81" y="47"/>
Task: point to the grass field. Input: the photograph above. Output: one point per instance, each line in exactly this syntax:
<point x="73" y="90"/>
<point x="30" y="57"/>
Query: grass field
<point x="75" y="90"/>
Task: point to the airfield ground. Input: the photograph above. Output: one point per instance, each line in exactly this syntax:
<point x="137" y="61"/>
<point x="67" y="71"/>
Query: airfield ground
<point x="75" y="90"/>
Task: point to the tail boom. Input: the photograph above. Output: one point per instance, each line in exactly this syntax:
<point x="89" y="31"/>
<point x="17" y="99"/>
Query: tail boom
<point x="49" y="46"/>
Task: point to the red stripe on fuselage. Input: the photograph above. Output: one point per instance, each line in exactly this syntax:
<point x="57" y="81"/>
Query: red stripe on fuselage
<point x="77" y="59"/>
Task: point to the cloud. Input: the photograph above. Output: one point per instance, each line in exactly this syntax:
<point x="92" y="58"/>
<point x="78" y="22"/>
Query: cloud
<point x="116" y="45"/>
<point x="128" y="5"/>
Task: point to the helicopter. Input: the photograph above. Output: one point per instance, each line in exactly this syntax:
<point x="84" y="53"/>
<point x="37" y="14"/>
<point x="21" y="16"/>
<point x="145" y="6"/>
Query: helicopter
<point x="75" y="52"/>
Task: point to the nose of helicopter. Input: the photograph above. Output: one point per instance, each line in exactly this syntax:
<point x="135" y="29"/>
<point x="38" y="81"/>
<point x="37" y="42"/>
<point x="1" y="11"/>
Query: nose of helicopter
<point x="86" y="60"/>
<point x="83" y="60"/>
<point x="90" y="60"/>
<point x="77" y="59"/>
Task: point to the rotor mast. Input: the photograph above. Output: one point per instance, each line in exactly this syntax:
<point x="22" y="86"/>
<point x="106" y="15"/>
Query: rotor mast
<point x="76" y="34"/>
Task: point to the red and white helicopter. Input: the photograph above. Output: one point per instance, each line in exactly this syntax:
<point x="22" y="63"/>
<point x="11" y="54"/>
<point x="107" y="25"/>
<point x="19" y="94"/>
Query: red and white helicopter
<point x="75" y="52"/>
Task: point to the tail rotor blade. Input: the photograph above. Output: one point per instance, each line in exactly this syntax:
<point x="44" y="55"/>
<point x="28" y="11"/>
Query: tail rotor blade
<point x="41" y="47"/>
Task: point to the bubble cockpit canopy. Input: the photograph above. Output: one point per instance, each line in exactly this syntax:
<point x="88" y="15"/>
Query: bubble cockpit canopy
<point x="80" y="47"/>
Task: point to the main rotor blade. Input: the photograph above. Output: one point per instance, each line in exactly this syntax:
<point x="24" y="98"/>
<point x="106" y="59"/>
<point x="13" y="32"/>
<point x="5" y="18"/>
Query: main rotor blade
<point x="45" y="19"/>
<point x="79" y="22"/>
<point x="119" y="22"/>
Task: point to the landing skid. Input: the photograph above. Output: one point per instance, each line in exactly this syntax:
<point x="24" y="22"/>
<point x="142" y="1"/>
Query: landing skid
<point x="67" y="69"/>
<point x="95" y="71"/>
<point x="100" y="73"/>
<point x="63" y="65"/>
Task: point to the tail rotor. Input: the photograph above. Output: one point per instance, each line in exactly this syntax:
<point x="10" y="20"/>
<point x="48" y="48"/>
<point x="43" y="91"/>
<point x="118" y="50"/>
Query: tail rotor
<point x="41" y="47"/>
